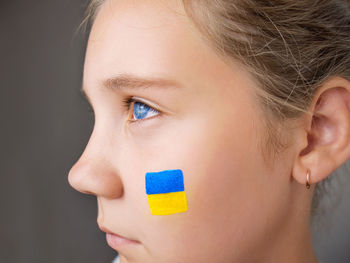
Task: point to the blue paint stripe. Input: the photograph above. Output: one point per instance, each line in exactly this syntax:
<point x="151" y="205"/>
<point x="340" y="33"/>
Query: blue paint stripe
<point x="164" y="182"/>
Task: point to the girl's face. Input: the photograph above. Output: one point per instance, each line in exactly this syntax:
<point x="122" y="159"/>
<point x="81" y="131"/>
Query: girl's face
<point x="196" y="114"/>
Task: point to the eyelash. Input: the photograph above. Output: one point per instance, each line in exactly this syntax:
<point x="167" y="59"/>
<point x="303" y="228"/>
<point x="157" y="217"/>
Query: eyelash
<point x="91" y="111"/>
<point x="129" y="101"/>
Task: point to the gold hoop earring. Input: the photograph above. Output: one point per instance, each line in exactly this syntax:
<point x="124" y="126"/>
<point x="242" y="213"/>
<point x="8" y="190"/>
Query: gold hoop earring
<point x="308" y="179"/>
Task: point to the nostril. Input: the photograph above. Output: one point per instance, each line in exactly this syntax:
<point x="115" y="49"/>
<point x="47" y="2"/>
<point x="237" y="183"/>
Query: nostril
<point x="87" y="192"/>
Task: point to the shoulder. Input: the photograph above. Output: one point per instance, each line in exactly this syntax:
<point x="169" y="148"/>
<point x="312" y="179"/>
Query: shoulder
<point x="116" y="260"/>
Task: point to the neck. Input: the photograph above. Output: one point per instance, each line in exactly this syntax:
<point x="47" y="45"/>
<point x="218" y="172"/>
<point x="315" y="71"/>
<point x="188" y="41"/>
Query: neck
<point x="293" y="241"/>
<point x="295" y="246"/>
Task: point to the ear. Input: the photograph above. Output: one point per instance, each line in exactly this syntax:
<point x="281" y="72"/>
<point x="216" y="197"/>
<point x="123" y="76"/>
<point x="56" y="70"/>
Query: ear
<point x="323" y="142"/>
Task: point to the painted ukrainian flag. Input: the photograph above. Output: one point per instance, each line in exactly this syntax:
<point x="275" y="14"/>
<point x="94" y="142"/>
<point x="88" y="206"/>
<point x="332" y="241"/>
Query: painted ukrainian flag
<point x="166" y="192"/>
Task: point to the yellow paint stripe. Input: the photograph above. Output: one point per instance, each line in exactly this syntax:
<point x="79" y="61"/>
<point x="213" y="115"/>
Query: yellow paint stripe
<point x="169" y="203"/>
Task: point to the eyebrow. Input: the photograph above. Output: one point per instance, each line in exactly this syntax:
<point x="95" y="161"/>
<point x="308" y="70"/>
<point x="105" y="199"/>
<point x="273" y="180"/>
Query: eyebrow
<point x="129" y="81"/>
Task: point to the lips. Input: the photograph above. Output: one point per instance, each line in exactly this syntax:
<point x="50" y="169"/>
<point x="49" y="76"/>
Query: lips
<point x="117" y="241"/>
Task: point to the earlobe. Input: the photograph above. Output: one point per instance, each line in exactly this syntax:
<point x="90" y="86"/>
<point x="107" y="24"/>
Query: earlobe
<point x="324" y="141"/>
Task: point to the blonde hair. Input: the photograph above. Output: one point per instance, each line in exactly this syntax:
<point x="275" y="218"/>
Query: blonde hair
<point x="289" y="47"/>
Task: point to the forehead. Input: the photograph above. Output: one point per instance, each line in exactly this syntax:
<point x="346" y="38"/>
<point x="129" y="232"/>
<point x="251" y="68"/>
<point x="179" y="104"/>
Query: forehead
<point x="140" y="37"/>
<point x="155" y="38"/>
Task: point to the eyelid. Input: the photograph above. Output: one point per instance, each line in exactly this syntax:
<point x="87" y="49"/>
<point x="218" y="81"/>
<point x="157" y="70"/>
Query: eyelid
<point x="134" y="99"/>
<point x="159" y="107"/>
<point x="147" y="102"/>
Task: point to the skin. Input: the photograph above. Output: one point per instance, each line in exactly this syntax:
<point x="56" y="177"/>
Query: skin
<point x="240" y="208"/>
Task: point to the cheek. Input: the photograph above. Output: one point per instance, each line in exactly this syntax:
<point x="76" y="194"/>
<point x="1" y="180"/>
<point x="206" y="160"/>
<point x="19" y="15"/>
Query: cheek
<point x="225" y="167"/>
<point x="221" y="166"/>
<point x="224" y="184"/>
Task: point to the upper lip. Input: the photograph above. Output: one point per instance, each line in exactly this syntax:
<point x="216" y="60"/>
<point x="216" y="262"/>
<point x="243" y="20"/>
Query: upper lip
<point x="106" y="230"/>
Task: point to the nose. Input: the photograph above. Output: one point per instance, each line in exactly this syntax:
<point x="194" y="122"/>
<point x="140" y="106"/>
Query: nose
<point x="96" y="177"/>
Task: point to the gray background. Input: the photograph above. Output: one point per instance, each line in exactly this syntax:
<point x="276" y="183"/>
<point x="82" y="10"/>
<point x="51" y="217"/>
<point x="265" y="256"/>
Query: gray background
<point x="45" y="125"/>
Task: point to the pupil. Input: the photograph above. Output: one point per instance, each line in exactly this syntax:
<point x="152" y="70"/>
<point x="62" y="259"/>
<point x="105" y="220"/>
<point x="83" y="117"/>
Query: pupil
<point x="140" y="110"/>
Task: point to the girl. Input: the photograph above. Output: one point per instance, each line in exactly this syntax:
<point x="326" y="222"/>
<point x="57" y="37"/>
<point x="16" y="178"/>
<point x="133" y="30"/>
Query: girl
<point x="214" y="123"/>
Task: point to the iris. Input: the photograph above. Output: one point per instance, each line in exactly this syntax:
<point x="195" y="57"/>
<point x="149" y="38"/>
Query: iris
<point x="141" y="110"/>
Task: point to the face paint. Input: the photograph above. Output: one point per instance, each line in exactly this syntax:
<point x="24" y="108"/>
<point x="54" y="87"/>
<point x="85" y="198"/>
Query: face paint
<point x="166" y="192"/>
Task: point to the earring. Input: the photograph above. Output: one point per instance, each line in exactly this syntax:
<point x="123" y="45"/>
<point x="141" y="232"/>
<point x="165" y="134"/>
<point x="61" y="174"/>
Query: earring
<point x="308" y="179"/>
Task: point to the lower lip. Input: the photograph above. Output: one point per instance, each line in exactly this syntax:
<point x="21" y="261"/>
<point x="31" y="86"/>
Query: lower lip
<point x="115" y="241"/>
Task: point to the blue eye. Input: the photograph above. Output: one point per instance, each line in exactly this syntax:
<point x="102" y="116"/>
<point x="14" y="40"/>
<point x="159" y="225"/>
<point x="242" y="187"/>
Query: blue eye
<point x="140" y="110"/>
